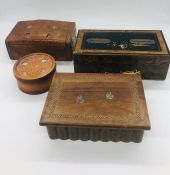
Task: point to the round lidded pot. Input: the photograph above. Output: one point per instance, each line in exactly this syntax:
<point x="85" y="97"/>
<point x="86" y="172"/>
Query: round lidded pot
<point x="34" y="72"/>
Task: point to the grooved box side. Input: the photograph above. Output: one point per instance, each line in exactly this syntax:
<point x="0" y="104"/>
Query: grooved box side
<point x="94" y="134"/>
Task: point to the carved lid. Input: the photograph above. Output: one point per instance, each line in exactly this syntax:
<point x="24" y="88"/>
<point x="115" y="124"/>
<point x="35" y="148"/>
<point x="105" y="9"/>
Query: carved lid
<point x="41" y="30"/>
<point x="107" y="100"/>
<point x="34" y="66"/>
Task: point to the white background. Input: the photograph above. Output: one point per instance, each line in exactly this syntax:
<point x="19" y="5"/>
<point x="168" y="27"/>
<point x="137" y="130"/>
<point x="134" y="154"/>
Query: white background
<point x="25" y="147"/>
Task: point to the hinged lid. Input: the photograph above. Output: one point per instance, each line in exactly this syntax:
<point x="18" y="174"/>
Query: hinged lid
<point x="148" y="42"/>
<point x="107" y="100"/>
<point x="41" y="30"/>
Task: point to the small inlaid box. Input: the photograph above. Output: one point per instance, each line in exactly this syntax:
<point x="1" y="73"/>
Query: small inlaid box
<point x="34" y="72"/>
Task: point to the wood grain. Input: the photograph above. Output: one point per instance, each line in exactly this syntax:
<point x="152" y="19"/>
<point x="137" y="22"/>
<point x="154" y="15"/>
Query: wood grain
<point x="34" y="72"/>
<point x="49" y="36"/>
<point x="152" y="65"/>
<point x="113" y="101"/>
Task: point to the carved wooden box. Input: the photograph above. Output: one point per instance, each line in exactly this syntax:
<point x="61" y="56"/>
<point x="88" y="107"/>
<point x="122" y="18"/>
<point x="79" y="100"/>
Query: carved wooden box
<point x="34" y="72"/>
<point x="116" y="51"/>
<point x="56" y="38"/>
<point x="106" y="107"/>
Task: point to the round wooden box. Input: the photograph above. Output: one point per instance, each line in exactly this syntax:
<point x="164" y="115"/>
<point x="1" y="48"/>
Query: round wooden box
<point x="34" y="72"/>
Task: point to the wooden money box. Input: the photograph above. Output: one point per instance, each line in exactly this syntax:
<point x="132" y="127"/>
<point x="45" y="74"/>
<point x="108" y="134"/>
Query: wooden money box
<point x="56" y="38"/>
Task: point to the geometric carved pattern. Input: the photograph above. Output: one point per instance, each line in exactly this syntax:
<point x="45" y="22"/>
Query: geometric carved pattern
<point x="56" y="91"/>
<point x="101" y="100"/>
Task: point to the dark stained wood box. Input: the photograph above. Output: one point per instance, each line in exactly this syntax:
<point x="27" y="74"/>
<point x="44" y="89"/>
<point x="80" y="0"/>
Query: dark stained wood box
<point x="106" y="107"/>
<point x="56" y="38"/>
<point x="115" y="51"/>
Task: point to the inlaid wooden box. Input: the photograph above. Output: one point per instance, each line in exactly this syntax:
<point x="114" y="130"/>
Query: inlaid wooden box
<point x="34" y="72"/>
<point x="115" y="51"/>
<point x="106" y="107"/>
<point x="56" y="38"/>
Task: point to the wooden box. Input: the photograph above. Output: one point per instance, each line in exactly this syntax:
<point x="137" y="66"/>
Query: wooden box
<point x="34" y="72"/>
<point x="56" y="38"/>
<point x="106" y="107"/>
<point x="115" y="51"/>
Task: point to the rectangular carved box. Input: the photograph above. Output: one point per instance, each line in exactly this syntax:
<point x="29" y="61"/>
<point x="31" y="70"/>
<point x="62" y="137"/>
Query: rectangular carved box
<point x="56" y="38"/>
<point x="115" y="51"/>
<point x="106" y="107"/>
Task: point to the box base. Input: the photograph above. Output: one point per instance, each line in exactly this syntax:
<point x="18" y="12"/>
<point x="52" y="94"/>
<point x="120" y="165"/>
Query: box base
<point x="95" y="134"/>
